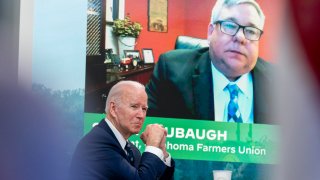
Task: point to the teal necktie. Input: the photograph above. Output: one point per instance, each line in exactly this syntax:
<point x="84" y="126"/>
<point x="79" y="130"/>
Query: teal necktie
<point x="233" y="107"/>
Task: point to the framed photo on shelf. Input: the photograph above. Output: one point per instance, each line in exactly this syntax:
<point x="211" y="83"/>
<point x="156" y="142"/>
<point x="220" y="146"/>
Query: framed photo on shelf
<point x="134" y="54"/>
<point x="147" y="54"/>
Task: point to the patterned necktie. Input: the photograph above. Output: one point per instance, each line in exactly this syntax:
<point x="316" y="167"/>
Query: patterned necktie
<point x="233" y="107"/>
<point x="129" y="153"/>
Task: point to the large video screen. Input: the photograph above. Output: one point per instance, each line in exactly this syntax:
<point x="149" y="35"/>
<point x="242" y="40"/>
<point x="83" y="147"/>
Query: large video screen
<point x="198" y="145"/>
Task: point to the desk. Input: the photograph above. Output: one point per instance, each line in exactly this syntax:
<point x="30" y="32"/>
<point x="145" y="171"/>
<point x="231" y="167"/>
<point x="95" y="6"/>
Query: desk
<point x="96" y="94"/>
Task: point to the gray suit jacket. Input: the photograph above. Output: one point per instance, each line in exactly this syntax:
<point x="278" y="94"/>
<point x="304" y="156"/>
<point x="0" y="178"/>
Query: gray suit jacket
<point x="181" y="87"/>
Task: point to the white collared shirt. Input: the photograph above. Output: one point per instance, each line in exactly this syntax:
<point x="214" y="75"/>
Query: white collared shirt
<point x="154" y="150"/>
<point x="222" y="96"/>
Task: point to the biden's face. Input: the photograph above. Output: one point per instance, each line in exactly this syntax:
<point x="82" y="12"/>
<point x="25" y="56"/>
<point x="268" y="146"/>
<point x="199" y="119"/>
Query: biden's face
<point x="130" y="111"/>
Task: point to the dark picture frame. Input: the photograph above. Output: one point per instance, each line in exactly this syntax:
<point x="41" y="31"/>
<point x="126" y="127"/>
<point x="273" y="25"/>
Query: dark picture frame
<point x="148" y="57"/>
<point x="158" y="16"/>
<point x="134" y="53"/>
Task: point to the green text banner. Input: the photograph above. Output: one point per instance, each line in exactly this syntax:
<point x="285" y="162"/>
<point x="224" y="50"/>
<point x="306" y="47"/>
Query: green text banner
<point x="211" y="141"/>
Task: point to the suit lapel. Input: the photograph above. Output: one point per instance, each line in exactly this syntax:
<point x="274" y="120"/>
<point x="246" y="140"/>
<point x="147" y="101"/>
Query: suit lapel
<point x="260" y="91"/>
<point x="103" y="124"/>
<point x="202" y="88"/>
<point x="135" y="150"/>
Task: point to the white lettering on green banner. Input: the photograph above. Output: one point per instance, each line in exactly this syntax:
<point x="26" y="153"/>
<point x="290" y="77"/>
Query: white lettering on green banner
<point x="211" y="141"/>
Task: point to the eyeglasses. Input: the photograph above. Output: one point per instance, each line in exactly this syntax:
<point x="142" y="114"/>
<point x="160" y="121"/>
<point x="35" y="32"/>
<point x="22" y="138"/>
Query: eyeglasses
<point x="232" y="28"/>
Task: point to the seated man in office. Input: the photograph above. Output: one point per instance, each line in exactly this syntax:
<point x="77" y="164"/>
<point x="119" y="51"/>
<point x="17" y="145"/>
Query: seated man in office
<point x="226" y="81"/>
<point x="106" y="153"/>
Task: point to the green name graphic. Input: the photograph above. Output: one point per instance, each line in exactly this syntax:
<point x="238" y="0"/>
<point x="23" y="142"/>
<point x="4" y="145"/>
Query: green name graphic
<point x="211" y="141"/>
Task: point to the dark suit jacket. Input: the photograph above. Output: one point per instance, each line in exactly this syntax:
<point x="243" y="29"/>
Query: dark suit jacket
<point x="100" y="156"/>
<point x="181" y="87"/>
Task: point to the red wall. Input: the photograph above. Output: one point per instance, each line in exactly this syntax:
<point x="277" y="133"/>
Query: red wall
<point x="198" y="18"/>
<point x="159" y="42"/>
<point x="274" y="12"/>
<point x="191" y="17"/>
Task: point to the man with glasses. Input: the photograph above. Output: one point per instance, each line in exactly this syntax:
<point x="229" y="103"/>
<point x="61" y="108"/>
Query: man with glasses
<point x="225" y="82"/>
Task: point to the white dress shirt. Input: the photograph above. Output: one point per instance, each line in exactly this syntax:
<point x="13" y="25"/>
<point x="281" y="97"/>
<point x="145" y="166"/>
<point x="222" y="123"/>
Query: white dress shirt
<point x="154" y="150"/>
<point x="222" y="96"/>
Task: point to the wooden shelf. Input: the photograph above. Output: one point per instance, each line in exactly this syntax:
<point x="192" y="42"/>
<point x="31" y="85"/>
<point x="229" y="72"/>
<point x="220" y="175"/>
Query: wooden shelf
<point x="96" y="93"/>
